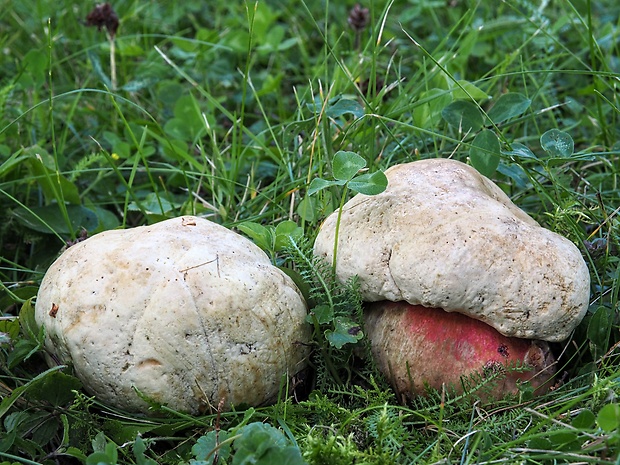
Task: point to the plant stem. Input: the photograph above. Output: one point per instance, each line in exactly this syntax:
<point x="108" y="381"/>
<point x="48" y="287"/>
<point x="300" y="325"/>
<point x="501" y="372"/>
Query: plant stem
<point x="337" y="231"/>
<point x="112" y="61"/>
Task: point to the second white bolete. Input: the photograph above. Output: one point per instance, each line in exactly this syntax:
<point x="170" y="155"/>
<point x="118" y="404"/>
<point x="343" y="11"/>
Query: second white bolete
<point x="444" y="236"/>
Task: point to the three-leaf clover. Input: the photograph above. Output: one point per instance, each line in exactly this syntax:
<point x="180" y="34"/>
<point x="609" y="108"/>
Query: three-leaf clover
<point x="346" y="170"/>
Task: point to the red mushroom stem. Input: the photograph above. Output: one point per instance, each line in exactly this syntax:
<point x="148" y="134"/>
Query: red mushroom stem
<point x="418" y="347"/>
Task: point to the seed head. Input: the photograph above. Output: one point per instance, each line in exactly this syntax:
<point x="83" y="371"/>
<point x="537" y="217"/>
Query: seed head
<point x="358" y="18"/>
<point x="103" y="15"/>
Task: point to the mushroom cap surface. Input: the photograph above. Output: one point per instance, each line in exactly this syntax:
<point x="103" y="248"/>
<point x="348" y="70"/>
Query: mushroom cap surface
<point x="444" y="236"/>
<point x="185" y="311"/>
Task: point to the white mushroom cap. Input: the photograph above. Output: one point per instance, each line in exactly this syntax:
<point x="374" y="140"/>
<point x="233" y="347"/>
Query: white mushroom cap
<point x="444" y="236"/>
<point x="185" y="311"/>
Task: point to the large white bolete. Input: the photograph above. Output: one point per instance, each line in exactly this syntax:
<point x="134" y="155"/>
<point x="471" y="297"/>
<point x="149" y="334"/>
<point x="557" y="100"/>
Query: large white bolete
<point x="443" y="236"/>
<point x="187" y="312"/>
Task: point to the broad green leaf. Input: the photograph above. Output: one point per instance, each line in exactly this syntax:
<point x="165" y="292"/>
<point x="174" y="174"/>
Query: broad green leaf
<point x="189" y="122"/>
<point x="346" y="165"/>
<point x="54" y="185"/>
<point x="520" y="151"/>
<point x="155" y="204"/>
<point x="369" y="183"/>
<point x="169" y="91"/>
<point x="337" y="106"/>
<point x="284" y="232"/>
<point x="508" y="106"/>
<point x="270" y="85"/>
<point x="467" y="90"/>
<point x="557" y="143"/>
<point x="14" y="420"/>
<point x="57" y="389"/>
<point x="287" y="228"/>
<point x="129" y="49"/>
<point x="76" y="453"/>
<point x="121" y="431"/>
<point x="139" y="448"/>
<point x="599" y="328"/>
<point x="261" y="235"/>
<point x="263" y="21"/>
<point x="6" y="442"/>
<point x="560" y="438"/>
<point x="464" y="115"/>
<point x="307" y="209"/>
<point x="484" y="152"/>
<point x="120" y="148"/>
<point x="99" y="442"/>
<point x="345" y="332"/>
<point x="27" y="321"/>
<point x="316" y="105"/>
<point x="177" y="129"/>
<point x="319" y="184"/>
<point x="274" y="41"/>
<point x="175" y="150"/>
<point x="237" y="40"/>
<point x="539" y="444"/>
<point x="22" y="292"/>
<point x="12" y="162"/>
<point x="40" y="154"/>
<point x="105" y="218"/>
<point x="48" y="219"/>
<point x="9" y="330"/>
<point x="262" y="444"/>
<point x="608" y="418"/>
<point x="22" y="350"/>
<point x="44" y="428"/>
<point x="111" y="451"/>
<point x="100" y="458"/>
<point x="516" y="173"/>
<point x="33" y="336"/>
<point x="8" y="401"/>
<point x="323" y="314"/>
<point x="35" y="65"/>
<point x="584" y="420"/>
<point x="205" y="447"/>
<point x="345" y="106"/>
<point x="427" y="113"/>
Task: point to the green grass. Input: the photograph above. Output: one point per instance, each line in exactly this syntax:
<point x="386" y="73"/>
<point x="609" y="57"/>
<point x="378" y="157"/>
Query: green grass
<point x="229" y="111"/>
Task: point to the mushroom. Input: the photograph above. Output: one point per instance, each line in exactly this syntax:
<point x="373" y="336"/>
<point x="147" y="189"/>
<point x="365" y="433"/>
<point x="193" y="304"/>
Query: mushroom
<point x="184" y="313"/>
<point x="444" y="237"/>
